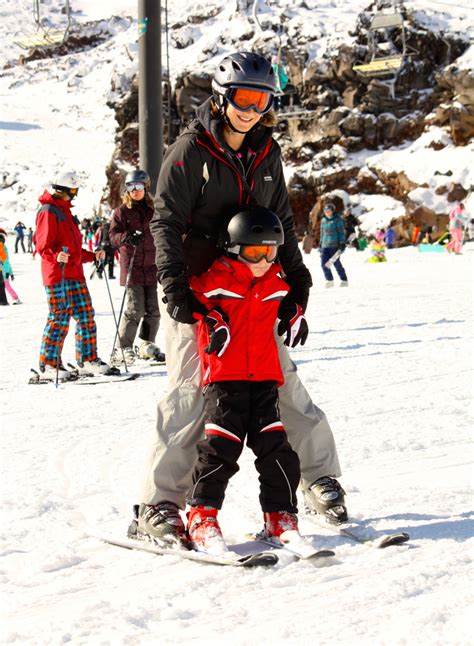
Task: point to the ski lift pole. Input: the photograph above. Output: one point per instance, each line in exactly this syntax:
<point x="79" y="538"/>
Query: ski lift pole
<point x="150" y="113"/>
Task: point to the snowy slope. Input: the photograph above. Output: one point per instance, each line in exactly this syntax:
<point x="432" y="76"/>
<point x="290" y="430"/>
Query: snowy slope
<point x="390" y="362"/>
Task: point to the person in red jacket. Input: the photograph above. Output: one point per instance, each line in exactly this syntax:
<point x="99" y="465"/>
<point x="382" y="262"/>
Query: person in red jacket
<point x="241" y="374"/>
<point x="59" y="243"/>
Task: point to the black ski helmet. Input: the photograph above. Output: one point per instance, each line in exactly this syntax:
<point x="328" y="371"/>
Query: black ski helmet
<point x="253" y="226"/>
<point x="243" y="69"/>
<point x="138" y="175"/>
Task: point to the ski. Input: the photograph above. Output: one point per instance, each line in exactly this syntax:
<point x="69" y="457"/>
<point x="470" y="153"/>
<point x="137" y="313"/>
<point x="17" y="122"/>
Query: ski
<point x="78" y="380"/>
<point x="359" y="533"/>
<point x="138" y="363"/>
<point x="338" y="253"/>
<point x="232" y="559"/>
<point x="295" y="544"/>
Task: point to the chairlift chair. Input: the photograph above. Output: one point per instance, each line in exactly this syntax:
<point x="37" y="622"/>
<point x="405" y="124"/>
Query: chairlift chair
<point x="45" y="37"/>
<point x="386" y="67"/>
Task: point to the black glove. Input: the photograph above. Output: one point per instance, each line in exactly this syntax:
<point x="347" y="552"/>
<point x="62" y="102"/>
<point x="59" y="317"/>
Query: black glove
<point x="10" y="276"/>
<point x="342" y="248"/>
<point x="219" y="332"/>
<point x="184" y="307"/>
<point x="134" y="238"/>
<point x="292" y="323"/>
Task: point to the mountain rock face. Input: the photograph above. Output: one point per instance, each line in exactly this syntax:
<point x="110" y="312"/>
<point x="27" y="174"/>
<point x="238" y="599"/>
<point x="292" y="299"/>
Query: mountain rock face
<point x="330" y="128"/>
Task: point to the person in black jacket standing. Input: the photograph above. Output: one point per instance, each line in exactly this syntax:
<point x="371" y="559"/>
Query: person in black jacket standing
<point x="130" y="232"/>
<point x="224" y="161"/>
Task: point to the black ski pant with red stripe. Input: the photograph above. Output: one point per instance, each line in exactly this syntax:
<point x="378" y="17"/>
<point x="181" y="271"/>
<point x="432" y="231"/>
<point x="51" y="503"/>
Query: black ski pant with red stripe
<point x="235" y="411"/>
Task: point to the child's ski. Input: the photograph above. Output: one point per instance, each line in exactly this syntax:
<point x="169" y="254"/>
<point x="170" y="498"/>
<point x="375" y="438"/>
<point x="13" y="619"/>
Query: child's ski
<point x="294" y="543"/>
<point x="231" y="559"/>
<point x="361" y="534"/>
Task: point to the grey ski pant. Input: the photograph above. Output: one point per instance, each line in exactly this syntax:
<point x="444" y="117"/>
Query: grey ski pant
<point x="142" y="305"/>
<point x="180" y="422"/>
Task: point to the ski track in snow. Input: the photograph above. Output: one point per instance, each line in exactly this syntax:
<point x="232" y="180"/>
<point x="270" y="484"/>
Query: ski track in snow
<point x="389" y="360"/>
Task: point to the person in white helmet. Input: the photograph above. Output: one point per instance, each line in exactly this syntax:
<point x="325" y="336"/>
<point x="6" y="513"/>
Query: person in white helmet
<point x="59" y="244"/>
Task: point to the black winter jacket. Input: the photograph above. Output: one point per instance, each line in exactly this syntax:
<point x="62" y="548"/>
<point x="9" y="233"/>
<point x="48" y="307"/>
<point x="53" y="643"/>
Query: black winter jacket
<point x="125" y="221"/>
<point x="201" y="184"/>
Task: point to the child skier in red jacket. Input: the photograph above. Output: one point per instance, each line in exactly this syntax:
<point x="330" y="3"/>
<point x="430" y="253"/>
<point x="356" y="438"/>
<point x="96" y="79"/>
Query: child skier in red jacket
<point x="241" y="375"/>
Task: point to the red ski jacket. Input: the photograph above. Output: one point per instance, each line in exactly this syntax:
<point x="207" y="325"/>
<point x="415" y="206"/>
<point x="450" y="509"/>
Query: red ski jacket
<point x="56" y="228"/>
<point x="251" y="306"/>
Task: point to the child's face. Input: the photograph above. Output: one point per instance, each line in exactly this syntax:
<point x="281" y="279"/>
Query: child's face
<point x="259" y="268"/>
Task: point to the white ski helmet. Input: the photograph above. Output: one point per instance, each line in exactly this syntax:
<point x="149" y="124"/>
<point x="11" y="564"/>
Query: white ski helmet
<point x="66" y="180"/>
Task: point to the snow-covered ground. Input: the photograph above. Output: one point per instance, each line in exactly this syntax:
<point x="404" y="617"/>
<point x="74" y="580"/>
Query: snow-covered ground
<point x="389" y="360"/>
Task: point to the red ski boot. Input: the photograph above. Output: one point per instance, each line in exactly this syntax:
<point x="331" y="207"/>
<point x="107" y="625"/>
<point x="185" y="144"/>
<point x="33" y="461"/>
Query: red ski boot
<point x="281" y="528"/>
<point x="279" y="522"/>
<point x="204" y="531"/>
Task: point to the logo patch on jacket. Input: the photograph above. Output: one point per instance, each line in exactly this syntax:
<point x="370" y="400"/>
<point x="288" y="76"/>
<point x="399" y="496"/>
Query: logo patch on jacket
<point x="268" y="178"/>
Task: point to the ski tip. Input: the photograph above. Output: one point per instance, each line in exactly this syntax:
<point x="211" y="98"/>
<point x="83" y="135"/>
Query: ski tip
<point x="261" y="558"/>
<point x="394" y="539"/>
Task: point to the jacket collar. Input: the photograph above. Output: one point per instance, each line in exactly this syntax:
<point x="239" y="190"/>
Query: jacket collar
<point x="47" y="198"/>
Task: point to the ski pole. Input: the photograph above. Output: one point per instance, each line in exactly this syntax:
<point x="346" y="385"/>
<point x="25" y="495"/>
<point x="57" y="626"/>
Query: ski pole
<point x="127" y="280"/>
<point x="63" y="298"/>
<point x="115" y="318"/>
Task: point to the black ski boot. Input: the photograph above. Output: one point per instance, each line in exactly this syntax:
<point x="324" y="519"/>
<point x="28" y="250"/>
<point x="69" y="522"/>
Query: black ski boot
<point x="326" y="497"/>
<point x="160" y="523"/>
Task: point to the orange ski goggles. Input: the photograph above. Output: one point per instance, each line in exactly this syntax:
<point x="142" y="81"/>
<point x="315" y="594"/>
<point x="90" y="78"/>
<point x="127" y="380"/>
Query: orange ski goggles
<point x="243" y="99"/>
<point x="255" y="253"/>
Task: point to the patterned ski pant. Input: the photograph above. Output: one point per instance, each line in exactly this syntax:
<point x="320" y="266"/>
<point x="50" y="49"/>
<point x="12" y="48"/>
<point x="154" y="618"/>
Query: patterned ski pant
<point x="75" y="302"/>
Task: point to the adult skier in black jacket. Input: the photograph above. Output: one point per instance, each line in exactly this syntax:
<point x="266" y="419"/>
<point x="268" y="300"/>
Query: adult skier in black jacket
<point x="225" y="160"/>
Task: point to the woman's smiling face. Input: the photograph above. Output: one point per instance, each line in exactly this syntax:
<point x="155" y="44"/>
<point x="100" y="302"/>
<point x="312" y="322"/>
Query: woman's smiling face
<point x="242" y="121"/>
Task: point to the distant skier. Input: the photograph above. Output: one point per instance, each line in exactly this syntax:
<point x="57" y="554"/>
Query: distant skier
<point x="457" y="222"/>
<point x="20" y="236"/>
<point x="377" y="246"/>
<point x="332" y="240"/>
<point x="29" y="237"/>
<point x="103" y="241"/>
<point x="241" y="375"/>
<point x="130" y="232"/>
<point x="6" y="269"/>
<point x="59" y="243"/>
<point x="390" y="237"/>
<point x="351" y="225"/>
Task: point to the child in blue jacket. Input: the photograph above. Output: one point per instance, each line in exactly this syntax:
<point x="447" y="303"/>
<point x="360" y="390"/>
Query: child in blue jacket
<point x="332" y="241"/>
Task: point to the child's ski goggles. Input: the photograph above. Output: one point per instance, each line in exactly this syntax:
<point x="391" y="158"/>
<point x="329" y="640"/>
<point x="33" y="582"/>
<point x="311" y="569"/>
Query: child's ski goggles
<point x="243" y="99"/>
<point x="255" y="253"/>
<point x="135" y="186"/>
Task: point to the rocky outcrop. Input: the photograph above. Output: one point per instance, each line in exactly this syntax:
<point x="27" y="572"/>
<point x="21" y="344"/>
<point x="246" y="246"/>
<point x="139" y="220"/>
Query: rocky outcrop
<point x="336" y="112"/>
